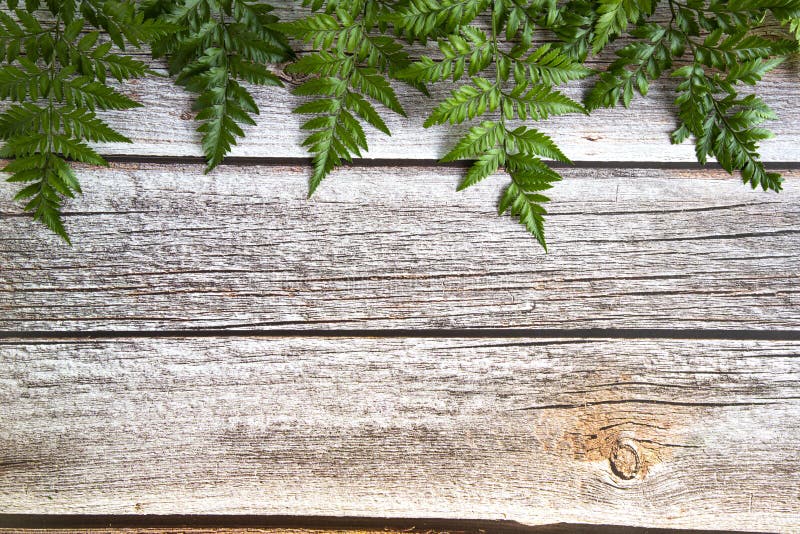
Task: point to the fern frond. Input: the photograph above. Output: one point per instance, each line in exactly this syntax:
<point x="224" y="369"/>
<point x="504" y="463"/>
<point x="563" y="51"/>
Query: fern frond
<point x="538" y="102"/>
<point x="81" y="91"/>
<point x="466" y="103"/>
<point x="532" y="142"/>
<point x="349" y="67"/>
<point x="422" y="19"/>
<point x="221" y="43"/>
<point x="494" y="96"/>
<point x="547" y="65"/>
<point x="55" y="69"/>
<point x="639" y="63"/>
<point x="527" y="208"/>
<point x="469" y="52"/>
<point x="477" y="141"/>
<point x="614" y="17"/>
<point x="725" y="126"/>
<point x="370" y="83"/>
<point x="322" y="64"/>
<point x="725" y="50"/>
<point x="486" y="165"/>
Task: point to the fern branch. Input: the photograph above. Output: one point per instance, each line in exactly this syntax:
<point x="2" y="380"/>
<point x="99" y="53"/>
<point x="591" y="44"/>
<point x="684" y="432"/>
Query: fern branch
<point x="57" y="75"/>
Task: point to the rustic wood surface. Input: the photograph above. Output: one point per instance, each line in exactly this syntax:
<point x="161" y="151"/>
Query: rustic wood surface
<point x="219" y="344"/>
<point x="548" y="529"/>
<point x="165" y="125"/>
<point x="641" y="432"/>
<point x="166" y="247"/>
<point x="553" y="530"/>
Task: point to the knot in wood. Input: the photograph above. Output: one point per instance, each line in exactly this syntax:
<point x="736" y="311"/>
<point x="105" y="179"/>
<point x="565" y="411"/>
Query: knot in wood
<point x="624" y="459"/>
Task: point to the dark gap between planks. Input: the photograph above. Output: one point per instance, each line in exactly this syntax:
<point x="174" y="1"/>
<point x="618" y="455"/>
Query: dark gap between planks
<point x="512" y="333"/>
<point x="421" y="525"/>
<point x="249" y="161"/>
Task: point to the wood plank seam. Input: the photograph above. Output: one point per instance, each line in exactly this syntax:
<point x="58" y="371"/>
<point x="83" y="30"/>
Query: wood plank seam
<point x="418" y="333"/>
<point x="250" y="524"/>
<point x="245" y="161"/>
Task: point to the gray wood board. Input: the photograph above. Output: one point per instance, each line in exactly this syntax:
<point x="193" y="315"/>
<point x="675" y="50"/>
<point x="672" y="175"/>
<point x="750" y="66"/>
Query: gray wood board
<point x="166" y="247"/>
<point x="165" y="125"/>
<point x="657" y="433"/>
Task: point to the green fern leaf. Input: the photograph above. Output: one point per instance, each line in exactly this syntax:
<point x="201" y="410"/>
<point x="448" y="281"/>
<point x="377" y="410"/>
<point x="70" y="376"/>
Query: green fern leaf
<point x="466" y="103"/>
<point x="422" y="19"/>
<point x="477" y="141"/>
<point x="372" y="84"/>
<point x="487" y="164"/>
<point x="55" y="69"/>
<point x="220" y="44"/>
<point x="527" y="208"/>
<point x="532" y="142"/>
<point x="348" y="64"/>
<point x="548" y="65"/>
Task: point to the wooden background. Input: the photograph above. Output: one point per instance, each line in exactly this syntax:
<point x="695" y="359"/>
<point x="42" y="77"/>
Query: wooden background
<point x="218" y="344"/>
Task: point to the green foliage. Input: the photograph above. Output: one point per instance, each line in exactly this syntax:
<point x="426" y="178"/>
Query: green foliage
<point x="57" y="57"/>
<point x="423" y="19"/>
<point x="613" y="17"/>
<point x="509" y="82"/>
<point x="349" y="69"/>
<point x="721" y="42"/>
<point x="724" y="127"/>
<point x="793" y="24"/>
<point x="469" y="52"/>
<point x="639" y="63"/>
<point x="220" y="43"/>
<point x="54" y="71"/>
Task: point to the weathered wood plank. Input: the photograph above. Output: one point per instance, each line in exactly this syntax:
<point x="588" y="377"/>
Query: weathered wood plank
<point x="204" y="531"/>
<point x="165" y="126"/>
<point x="699" y="434"/>
<point x="196" y="530"/>
<point x="417" y="527"/>
<point x="166" y="247"/>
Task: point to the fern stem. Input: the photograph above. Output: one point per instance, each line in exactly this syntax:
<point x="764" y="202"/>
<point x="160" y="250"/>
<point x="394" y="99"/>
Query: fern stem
<point x="52" y="69"/>
<point x="497" y="80"/>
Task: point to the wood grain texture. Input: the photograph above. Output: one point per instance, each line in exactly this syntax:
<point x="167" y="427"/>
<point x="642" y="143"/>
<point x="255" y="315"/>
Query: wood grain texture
<point x="195" y="530"/>
<point x="165" y="125"/>
<point x="657" y="433"/>
<point x="217" y="531"/>
<point x="166" y="247"/>
<point x="645" y="432"/>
